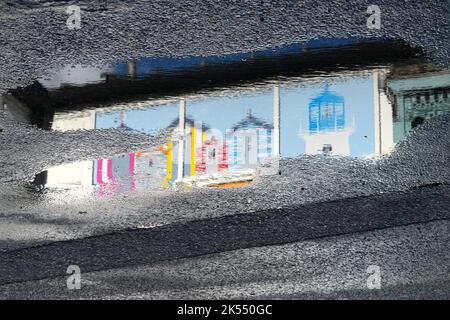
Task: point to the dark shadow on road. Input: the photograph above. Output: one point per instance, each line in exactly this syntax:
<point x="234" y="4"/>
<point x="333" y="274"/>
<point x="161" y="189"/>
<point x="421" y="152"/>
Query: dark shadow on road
<point x="202" y="237"/>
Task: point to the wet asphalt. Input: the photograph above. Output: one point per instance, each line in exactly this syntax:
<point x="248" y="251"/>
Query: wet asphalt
<point x="424" y="210"/>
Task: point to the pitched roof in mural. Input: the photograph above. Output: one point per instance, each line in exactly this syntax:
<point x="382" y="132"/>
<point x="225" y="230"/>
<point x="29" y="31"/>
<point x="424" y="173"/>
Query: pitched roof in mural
<point x="251" y="122"/>
<point x="189" y="121"/>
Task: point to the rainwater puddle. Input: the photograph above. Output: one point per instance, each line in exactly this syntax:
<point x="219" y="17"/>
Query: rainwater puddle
<point x="233" y="118"/>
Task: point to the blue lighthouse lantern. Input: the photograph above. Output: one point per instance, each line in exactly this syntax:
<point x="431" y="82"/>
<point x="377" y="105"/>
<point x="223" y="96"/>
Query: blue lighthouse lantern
<point x="327" y="112"/>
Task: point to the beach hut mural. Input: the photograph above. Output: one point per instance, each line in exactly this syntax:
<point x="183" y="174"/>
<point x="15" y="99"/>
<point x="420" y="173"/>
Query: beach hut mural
<point x="116" y="175"/>
<point x="135" y="171"/>
<point x="249" y="142"/>
<point x="140" y="170"/>
<point x="207" y="158"/>
<point x="200" y="151"/>
<point x="212" y="156"/>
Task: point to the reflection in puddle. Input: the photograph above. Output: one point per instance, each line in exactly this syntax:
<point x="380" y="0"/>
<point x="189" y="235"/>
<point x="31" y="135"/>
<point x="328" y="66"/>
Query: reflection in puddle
<point x="228" y="136"/>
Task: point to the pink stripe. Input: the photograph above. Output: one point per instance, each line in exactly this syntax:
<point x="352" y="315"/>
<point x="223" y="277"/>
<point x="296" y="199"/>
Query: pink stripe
<point x="131" y="169"/>
<point x="99" y="171"/>
<point x="131" y="166"/>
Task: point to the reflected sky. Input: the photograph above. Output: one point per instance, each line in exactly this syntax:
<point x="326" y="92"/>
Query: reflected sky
<point x="225" y="112"/>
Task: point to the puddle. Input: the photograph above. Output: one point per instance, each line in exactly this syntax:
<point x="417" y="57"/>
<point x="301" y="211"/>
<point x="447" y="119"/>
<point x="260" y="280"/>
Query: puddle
<point x="232" y="118"/>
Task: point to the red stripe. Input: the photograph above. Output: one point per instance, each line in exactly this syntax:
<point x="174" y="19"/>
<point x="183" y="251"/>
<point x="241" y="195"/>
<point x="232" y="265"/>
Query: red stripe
<point x="99" y="171"/>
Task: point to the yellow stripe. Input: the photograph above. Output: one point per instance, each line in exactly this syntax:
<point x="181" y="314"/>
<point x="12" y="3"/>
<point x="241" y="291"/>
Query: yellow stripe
<point x="193" y="140"/>
<point x="169" y="162"/>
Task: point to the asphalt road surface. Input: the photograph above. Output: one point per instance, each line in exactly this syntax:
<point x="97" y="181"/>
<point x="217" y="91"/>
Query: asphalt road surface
<point x="316" y="251"/>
